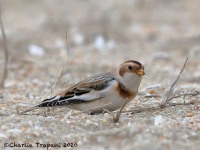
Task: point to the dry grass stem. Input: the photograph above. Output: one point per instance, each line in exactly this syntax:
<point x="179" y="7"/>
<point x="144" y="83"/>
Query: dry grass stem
<point x="176" y="96"/>
<point x="153" y="95"/>
<point x="153" y="108"/>
<point x="54" y="85"/>
<point x="166" y="97"/>
<point x="67" y="45"/>
<point x="5" y="70"/>
<point x="184" y="103"/>
<point x="141" y="109"/>
<point x="61" y="67"/>
<point x="184" y="95"/>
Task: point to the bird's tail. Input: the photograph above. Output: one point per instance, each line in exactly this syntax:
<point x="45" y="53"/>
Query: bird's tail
<point x="50" y="102"/>
<point x="30" y="109"/>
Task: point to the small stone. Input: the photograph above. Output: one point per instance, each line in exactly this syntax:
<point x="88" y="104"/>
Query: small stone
<point x="2" y="136"/>
<point x="50" y="117"/>
<point x="197" y="107"/>
<point x="88" y="122"/>
<point x="15" y="132"/>
<point x="99" y="43"/>
<point x="179" y="111"/>
<point x="158" y="120"/>
<point x="198" y="128"/>
<point x="152" y="91"/>
<point x="160" y="55"/>
<point x="153" y="86"/>
<point x="189" y="114"/>
<point x="36" y="50"/>
<point x="78" y="38"/>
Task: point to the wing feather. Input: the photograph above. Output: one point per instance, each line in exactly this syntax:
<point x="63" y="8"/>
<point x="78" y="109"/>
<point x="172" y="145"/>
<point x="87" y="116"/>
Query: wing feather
<point x="82" y="92"/>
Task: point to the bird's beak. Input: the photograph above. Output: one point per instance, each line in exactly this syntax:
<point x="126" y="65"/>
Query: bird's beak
<point x="140" y="72"/>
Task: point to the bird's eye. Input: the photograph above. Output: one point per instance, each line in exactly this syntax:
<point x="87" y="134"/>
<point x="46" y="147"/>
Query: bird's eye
<point x="129" y="67"/>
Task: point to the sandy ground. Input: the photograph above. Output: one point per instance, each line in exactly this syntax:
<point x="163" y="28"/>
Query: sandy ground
<point x="101" y="35"/>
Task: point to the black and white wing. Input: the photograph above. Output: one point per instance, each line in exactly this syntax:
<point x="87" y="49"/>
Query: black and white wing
<point x="85" y="91"/>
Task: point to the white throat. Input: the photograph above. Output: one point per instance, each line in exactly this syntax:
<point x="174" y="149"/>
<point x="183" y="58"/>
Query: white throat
<point x="130" y="81"/>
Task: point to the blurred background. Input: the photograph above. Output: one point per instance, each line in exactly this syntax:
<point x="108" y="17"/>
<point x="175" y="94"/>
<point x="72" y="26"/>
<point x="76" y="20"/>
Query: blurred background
<point x="101" y="34"/>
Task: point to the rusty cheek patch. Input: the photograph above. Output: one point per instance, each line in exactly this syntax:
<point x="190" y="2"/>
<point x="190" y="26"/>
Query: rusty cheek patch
<point x="125" y="93"/>
<point x="122" y="71"/>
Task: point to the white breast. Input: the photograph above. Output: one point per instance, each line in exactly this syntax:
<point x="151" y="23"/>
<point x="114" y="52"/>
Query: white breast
<point x="112" y="101"/>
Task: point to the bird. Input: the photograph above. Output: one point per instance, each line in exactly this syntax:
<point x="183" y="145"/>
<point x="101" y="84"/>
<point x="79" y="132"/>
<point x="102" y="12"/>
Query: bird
<point x="105" y="91"/>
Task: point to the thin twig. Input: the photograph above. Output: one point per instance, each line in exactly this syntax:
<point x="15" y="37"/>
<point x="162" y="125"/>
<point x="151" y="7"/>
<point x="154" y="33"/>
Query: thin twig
<point x="177" y="96"/>
<point x="67" y="45"/>
<point x="166" y="98"/>
<point x="184" y="103"/>
<point x="67" y="54"/>
<point x="56" y="80"/>
<point x="5" y="72"/>
<point x="61" y="68"/>
<point x="144" y="109"/>
<point x="54" y="85"/>
<point x="153" y="95"/>
<point x="141" y="109"/>
<point x="185" y="94"/>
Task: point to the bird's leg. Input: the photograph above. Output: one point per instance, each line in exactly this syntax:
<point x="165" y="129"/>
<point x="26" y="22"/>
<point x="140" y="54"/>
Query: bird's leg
<point x="116" y="118"/>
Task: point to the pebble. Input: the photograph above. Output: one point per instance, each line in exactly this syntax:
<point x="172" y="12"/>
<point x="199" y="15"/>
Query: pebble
<point x="78" y="38"/>
<point x="15" y="132"/>
<point x="2" y="135"/>
<point x="158" y="120"/>
<point x="153" y="86"/>
<point x="160" y="55"/>
<point x="189" y="114"/>
<point x="36" y="50"/>
<point x="100" y="43"/>
<point x="198" y="128"/>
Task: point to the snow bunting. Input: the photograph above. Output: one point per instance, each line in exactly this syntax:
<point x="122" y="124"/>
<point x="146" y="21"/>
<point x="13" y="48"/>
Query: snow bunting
<point x="106" y="91"/>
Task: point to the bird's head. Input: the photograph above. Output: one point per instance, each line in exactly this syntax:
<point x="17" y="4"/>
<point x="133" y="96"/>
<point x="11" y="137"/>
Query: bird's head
<point x="130" y="74"/>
